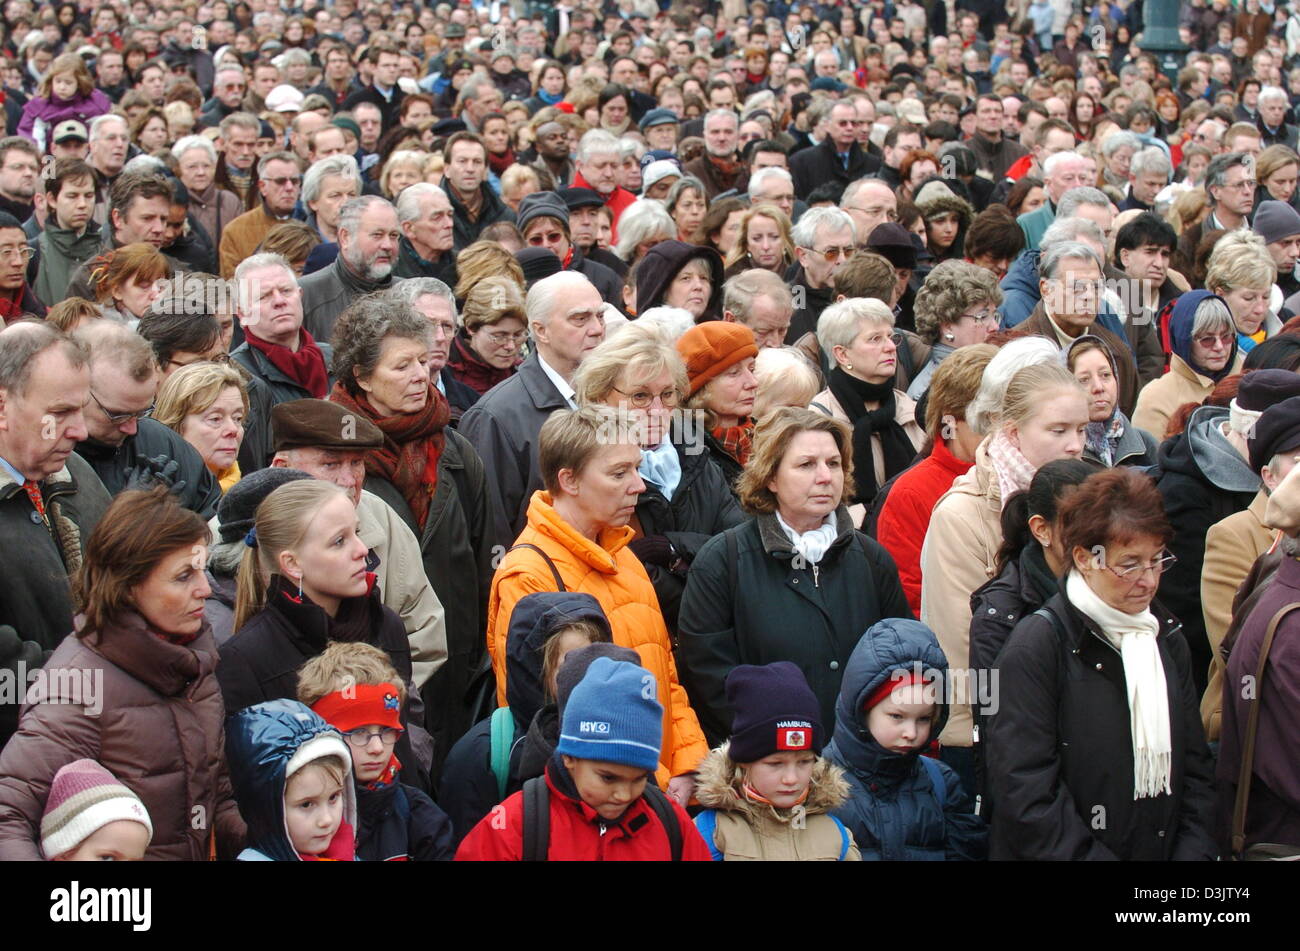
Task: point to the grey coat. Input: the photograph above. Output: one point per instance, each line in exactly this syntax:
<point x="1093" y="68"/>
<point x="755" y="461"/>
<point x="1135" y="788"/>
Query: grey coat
<point x="327" y="293"/>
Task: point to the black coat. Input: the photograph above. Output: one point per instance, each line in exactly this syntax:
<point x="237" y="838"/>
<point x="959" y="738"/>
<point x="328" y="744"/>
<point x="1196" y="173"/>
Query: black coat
<point x="389" y="109"/>
<point x="201" y="492"/>
<point x="1060" y="753"/>
<point x="746" y="602"/>
<point x="605" y="280"/>
<point x="400" y="823"/>
<point x="491" y="210"/>
<point x="815" y="300"/>
<point x="819" y="165"/>
<point x="701" y="507"/>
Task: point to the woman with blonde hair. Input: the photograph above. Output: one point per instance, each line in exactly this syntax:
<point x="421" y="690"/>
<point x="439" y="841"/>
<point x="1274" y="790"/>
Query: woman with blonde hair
<point x="128" y="279"/>
<point x="404" y="167"/>
<point x="762" y="242"/>
<point x="493" y="329"/>
<point x="786" y="377"/>
<point x="208" y="405"/>
<point x="484" y="259"/>
<point x="1241" y="271"/>
<point x="1276" y="170"/>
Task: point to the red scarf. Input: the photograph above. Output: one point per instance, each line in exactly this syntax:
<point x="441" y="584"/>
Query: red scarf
<point x="342" y="848"/>
<point x="737" y="440"/>
<point x="499" y="163"/>
<point x="412" y="446"/>
<point x="306" y="366"/>
<point x="11" y="304"/>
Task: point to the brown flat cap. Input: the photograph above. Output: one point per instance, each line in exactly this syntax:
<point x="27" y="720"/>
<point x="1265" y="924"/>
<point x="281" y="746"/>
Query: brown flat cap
<point x="320" y="424"/>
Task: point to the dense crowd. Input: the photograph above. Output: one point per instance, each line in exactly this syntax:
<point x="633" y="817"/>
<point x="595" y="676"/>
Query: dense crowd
<point x="648" y="430"/>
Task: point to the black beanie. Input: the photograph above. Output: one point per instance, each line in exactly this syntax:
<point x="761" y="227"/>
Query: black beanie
<point x="773" y="710"/>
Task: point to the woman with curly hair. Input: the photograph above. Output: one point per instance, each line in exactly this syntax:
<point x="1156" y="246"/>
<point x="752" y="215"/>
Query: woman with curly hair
<point x="956" y="306"/>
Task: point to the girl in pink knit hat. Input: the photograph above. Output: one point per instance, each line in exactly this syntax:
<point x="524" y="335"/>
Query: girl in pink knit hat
<point x="91" y="817"/>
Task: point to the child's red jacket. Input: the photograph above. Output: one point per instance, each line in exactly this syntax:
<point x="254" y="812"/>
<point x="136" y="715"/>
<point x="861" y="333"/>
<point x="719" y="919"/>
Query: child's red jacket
<point x="575" y="833"/>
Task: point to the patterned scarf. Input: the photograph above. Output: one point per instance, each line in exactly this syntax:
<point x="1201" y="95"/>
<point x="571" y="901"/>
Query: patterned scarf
<point x="736" y="441"/>
<point x="11" y="304"/>
<point x="1102" y="439"/>
<point x="305" y="366"/>
<point x="413" y="444"/>
<point x="1011" y="467"/>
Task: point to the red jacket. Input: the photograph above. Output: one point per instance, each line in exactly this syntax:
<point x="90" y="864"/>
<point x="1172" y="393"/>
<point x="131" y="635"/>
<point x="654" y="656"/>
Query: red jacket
<point x="575" y="833"/>
<point x="905" y="516"/>
<point x="616" y="201"/>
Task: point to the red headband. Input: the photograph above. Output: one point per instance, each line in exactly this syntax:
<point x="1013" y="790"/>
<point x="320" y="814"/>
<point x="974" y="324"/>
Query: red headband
<point x="361" y="705"/>
<point x="903" y="677"/>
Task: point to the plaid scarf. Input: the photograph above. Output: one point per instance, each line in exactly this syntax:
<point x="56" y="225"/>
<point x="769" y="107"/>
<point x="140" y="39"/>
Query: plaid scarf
<point x="736" y="441"/>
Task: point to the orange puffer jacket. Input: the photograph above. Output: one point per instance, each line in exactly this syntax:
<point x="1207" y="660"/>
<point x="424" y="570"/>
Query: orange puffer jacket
<point x="614" y="577"/>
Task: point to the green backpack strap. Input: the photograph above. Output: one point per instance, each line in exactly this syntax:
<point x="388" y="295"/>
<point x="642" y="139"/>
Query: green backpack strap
<point x="503" y="735"/>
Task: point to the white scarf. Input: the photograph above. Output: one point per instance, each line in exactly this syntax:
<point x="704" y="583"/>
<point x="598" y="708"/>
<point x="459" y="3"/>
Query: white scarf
<point x="811" y="545"/>
<point x="1144" y="673"/>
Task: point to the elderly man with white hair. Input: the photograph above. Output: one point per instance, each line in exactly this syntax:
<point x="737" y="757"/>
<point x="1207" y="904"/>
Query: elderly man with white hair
<point x="368" y="240"/>
<point x="597" y="167"/>
<point x="773" y="186"/>
<point x="1087" y="219"/>
<point x="1149" y="171"/>
<point x="566" y="318"/>
<point x="425" y="250"/>
<point x="1273" y="127"/>
<point x="824" y="240"/>
<point x="1061" y="172"/>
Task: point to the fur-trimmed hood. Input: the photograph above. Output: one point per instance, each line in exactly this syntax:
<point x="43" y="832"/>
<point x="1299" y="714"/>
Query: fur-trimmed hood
<point x="719" y="785"/>
<point x="936" y="198"/>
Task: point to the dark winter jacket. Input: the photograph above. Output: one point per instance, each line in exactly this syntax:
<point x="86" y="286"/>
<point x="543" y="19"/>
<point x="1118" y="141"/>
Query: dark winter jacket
<point x="468" y="788"/>
<point x="114" y="465"/>
<point x="456" y="546"/>
<point x="389" y="107"/>
<point x="1126" y="365"/>
<point x="1136" y="447"/>
<point x="662" y="263"/>
<point x="503" y="427"/>
<point x="725" y="461"/>
<point x="746" y="602"/>
<point x="820" y="165"/>
<point x="470" y="369"/>
<point x="155" y="724"/>
<point x="1203" y="480"/>
<point x="491" y="210"/>
<point x="283" y="389"/>
<point x="701" y="507"/>
<point x="894" y="809"/>
<point x="1060" y="751"/>
<point x="815" y="300"/>
<point x="328" y="293"/>
<point x="59" y="252"/>
<point x="459" y="396"/>
<point x="411" y="264"/>
<point x="399" y="823"/>
<point x="260" y="742"/>
<point x="609" y="284"/>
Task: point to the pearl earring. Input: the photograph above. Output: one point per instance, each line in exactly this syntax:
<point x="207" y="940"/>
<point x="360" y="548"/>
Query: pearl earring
<point x="848" y="366"/>
<point x="949" y="337"/>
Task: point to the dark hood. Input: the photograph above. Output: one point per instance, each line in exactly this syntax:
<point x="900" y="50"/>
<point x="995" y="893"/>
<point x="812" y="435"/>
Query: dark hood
<point x="888" y="645"/>
<point x="661" y="264"/>
<point x="1181" y="321"/>
<point x="534" y="621"/>
<point x="1202" y="452"/>
<point x="260" y="742"/>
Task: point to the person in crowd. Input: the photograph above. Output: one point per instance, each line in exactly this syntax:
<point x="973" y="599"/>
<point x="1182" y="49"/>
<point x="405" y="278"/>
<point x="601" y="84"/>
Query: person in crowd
<point x="553" y="638"/>
<point x="687" y="499"/>
<point x="902" y="805"/>
<point x="763" y="241"/>
<point x="596" y="787"/>
<point x="955" y="307"/>
<point x="207" y="405"/>
<point x="435" y="300"/>
<point x="292" y="775"/>
<point x="425" y="470"/>
<point x="141" y="632"/>
<point x="1036" y="415"/>
<point x="1243" y="273"/>
<point x="576" y="539"/>
<point x="824" y="240"/>
<point x="768" y="793"/>
<point x="646" y="223"/>
<point x="760" y="299"/>
<point x="212" y="206"/>
<point x="1096" y="692"/>
<point x="127" y="280"/>
<point x="676" y="274"/>
<point x="1230" y="187"/>
<point x="721" y="225"/>
<point x="70" y="237"/>
<point x="90" y="816"/>
<point x="947" y="217"/>
<point x="742" y="601"/>
<point x="720" y="383"/>
<point x="425" y="250"/>
<point x="279" y="182"/>
<point x="368" y="237"/>
<point x="354" y="689"/>
<point x="902" y="509"/>
<point x="687" y="202"/>
<point x="494" y="329"/>
<point x="1276" y="170"/>
<point x="856" y="336"/>
<point x="543" y="220"/>
<point x="328" y="183"/>
<point x="66" y="91"/>
<point x="1204" y="350"/>
<point x="566" y="318"/>
<point x="1112" y="439"/>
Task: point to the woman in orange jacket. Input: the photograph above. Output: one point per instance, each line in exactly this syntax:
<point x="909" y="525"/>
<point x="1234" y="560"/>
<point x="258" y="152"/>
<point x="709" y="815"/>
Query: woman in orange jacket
<point x="576" y="540"/>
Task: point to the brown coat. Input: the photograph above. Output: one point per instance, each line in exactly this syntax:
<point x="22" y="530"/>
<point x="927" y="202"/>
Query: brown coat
<point x="242" y="236"/>
<point x="1160" y="398"/>
<point x="714" y="183"/>
<point x="1041" y="325"/>
<point x="960" y="554"/>
<point x="150" y="712"/>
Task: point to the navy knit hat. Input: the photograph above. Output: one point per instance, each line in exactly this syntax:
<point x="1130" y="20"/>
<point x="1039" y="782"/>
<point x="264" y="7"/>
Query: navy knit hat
<point x="613" y="716"/>
<point x="774" y="710"/>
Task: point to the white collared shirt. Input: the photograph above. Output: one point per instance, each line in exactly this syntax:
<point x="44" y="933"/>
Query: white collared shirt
<point x="560" y="382"/>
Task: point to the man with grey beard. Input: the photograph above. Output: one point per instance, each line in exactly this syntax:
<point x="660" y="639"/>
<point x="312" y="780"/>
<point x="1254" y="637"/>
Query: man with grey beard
<point x="369" y="235"/>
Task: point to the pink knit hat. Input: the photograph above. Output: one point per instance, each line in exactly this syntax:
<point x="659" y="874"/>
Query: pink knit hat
<point x="84" y="798"/>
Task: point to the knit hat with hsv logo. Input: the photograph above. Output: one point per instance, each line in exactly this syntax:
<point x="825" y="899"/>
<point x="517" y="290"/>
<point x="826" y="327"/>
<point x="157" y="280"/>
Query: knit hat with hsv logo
<point x="613" y="716"/>
<point x="774" y="711"/>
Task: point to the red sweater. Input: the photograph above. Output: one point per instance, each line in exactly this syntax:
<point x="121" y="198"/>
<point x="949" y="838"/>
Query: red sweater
<point x="905" y="516"/>
<point x="575" y="834"/>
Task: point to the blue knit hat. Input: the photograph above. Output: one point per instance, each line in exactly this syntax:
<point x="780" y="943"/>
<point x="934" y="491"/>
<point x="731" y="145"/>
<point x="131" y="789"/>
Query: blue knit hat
<point x="613" y="716"/>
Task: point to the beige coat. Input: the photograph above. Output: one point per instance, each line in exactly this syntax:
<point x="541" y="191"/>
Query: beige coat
<point x="1231" y="548"/>
<point x="959" y="555"/>
<point x="241" y="237"/>
<point x="1160" y="398"/>
<point x="904" y="414"/>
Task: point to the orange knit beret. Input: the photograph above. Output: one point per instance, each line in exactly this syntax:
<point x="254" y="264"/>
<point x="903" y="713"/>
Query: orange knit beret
<point x="713" y="346"/>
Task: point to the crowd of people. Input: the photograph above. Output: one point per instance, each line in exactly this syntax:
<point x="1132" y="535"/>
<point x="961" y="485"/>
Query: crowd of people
<point x="649" y="430"/>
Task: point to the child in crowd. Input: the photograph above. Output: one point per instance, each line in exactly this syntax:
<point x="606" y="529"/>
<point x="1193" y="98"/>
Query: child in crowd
<point x="768" y="792"/>
<point x="91" y="817"/>
<point x="292" y="778"/>
<point x="902" y="805"/>
<point x="354" y="688"/>
<point x="594" y="792"/>
<point x="66" y="92"/>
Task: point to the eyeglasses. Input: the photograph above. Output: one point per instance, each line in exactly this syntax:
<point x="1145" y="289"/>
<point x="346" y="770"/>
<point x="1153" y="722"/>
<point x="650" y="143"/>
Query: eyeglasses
<point x="222" y="358"/>
<point x="889" y="214"/>
<point x="1133" y="573"/>
<point x="982" y="317"/>
<point x="500" y="338"/>
<point x="117" y="419"/>
<point x="1244" y="184"/>
<point x="834" y="254"/>
<point x="361" y="737"/>
<point x="644" y="400"/>
<point x="1210" y="341"/>
<point x="282" y="180"/>
<point x="22" y="252"/>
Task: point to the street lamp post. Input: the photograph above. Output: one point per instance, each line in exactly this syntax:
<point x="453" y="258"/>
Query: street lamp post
<point x="1160" y="36"/>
